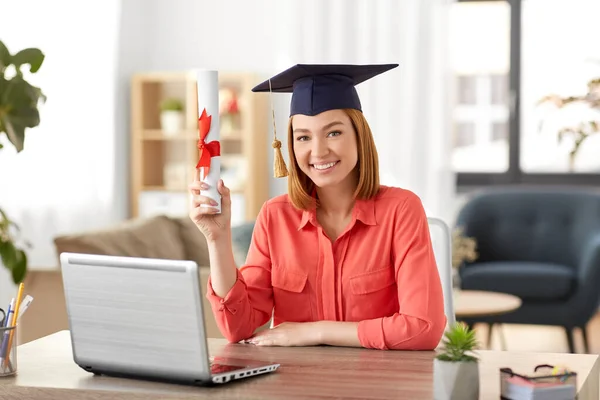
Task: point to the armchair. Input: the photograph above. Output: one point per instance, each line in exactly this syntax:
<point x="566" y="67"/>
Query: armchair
<point x="542" y="245"/>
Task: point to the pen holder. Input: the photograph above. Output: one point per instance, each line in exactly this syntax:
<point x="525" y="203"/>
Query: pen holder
<point x="8" y="351"/>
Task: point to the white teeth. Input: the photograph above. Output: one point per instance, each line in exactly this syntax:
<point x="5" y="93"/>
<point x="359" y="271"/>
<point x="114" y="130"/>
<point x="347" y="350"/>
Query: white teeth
<point x="324" y="166"/>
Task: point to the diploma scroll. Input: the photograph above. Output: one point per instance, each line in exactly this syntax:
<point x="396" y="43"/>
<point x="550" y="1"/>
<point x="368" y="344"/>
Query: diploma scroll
<point x="208" y="169"/>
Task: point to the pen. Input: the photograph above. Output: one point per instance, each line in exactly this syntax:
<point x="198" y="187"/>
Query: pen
<point x="8" y="318"/>
<point x="14" y="322"/>
<point x="10" y="312"/>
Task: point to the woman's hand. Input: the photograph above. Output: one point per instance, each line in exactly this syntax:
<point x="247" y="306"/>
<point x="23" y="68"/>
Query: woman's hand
<point x="289" y="334"/>
<point x="211" y="224"/>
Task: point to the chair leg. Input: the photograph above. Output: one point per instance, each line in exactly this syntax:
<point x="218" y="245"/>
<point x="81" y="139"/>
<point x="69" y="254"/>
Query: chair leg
<point x="502" y="337"/>
<point x="489" y="338"/>
<point x="569" y="333"/>
<point x="586" y="345"/>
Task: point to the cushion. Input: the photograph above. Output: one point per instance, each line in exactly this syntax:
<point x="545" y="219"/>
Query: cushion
<point x="241" y="237"/>
<point x="194" y="242"/>
<point x="527" y="280"/>
<point x="156" y="237"/>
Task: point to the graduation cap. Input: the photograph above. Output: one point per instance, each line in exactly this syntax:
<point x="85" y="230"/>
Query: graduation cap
<point x="317" y="88"/>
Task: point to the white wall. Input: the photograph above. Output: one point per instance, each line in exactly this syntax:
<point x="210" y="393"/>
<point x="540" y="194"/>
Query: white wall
<point x="267" y="36"/>
<point x="158" y="35"/>
<point x="262" y="36"/>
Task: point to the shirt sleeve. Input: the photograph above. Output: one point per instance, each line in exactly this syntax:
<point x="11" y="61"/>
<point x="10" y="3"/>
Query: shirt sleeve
<point x="249" y="303"/>
<point x="420" y="322"/>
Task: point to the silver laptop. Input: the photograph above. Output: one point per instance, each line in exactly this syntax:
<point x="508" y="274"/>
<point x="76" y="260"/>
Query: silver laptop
<point x="142" y="318"/>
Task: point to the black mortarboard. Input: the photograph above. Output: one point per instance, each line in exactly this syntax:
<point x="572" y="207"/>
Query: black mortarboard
<point x="317" y="88"/>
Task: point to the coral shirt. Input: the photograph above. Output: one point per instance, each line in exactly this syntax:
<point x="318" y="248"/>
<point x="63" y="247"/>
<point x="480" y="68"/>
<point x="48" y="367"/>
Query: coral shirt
<point x="380" y="272"/>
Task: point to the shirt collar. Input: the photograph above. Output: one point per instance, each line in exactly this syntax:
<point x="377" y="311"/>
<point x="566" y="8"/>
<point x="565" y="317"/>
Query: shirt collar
<point x="364" y="211"/>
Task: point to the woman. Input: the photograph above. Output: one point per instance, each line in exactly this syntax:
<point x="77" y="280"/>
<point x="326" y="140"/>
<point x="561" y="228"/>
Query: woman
<point x="339" y="260"/>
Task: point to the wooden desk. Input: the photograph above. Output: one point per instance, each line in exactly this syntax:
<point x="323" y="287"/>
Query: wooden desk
<point x="47" y="371"/>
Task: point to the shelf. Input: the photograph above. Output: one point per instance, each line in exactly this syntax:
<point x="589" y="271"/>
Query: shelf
<point x="163" y="164"/>
<point x="158" y="134"/>
<point x="160" y="188"/>
<point x="179" y="189"/>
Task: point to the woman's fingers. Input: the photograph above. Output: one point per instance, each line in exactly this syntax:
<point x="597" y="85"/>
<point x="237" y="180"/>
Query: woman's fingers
<point x="196" y="186"/>
<point x="199" y="200"/>
<point x="197" y="213"/>
<point x="225" y="193"/>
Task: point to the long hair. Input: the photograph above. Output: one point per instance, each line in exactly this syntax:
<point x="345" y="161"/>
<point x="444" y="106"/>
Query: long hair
<point x="301" y="187"/>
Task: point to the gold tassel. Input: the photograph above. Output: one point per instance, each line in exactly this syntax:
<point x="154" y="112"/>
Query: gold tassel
<point x="280" y="169"/>
<point x="278" y="161"/>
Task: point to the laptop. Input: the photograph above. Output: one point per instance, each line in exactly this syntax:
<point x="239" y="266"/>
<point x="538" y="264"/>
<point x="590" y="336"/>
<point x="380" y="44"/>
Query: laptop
<point x="143" y="318"/>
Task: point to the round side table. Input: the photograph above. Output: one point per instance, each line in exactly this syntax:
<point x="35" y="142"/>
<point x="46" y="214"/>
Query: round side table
<point x="478" y="303"/>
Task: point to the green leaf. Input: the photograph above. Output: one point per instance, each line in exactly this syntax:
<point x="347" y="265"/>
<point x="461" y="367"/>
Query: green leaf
<point x="19" y="268"/>
<point x="18" y="109"/>
<point x="16" y="134"/>
<point x="4" y="57"/>
<point x="8" y="254"/>
<point x="31" y="56"/>
<point x="3" y="94"/>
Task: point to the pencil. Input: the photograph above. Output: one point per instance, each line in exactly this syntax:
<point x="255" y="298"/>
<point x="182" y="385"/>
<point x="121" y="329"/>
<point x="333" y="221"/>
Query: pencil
<point x="13" y="322"/>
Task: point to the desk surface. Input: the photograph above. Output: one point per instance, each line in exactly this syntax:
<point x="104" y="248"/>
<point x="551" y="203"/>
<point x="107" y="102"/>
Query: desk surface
<point x="47" y="371"/>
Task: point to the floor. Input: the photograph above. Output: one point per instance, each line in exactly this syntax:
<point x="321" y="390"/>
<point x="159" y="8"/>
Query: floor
<point x="540" y="338"/>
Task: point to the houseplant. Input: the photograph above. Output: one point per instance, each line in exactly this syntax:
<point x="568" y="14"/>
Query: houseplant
<point x="456" y="367"/>
<point x="464" y="249"/>
<point x="19" y="102"/>
<point x="171" y="115"/>
<point x="584" y="129"/>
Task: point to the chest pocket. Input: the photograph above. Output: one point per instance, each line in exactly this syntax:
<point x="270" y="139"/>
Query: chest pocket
<point x="374" y="294"/>
<point x="291" y="294"/>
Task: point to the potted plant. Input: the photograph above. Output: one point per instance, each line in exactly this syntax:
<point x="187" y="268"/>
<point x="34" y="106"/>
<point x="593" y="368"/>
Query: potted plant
<point x="584" y="129"/>
<point x="464" y="249"/>
<point x="18" y="111"/>
<point x="229" y="110"/>
<point x="456" y="367"/>
<point x="171" y="115"/>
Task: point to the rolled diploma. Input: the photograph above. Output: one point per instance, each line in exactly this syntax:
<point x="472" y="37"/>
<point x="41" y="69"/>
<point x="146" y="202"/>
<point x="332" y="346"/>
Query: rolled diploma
<point x="208" y="98"/>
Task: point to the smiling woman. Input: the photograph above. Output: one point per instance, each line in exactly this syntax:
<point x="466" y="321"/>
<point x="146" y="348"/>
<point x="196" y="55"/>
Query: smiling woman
<point x="330" y="153"/>
<point x="340" y="260"/>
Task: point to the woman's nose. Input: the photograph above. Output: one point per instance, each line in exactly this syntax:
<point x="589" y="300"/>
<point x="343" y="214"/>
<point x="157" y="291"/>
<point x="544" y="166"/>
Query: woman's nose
<point x="319" y="148"/>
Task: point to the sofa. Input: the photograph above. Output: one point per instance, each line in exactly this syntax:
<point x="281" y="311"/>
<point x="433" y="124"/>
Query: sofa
<point x="542" y="245"/>
<point x="162" y="236"/>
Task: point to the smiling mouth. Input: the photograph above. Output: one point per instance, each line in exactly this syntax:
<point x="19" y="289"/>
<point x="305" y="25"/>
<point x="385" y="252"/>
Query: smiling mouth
<point x="324" y="167"/>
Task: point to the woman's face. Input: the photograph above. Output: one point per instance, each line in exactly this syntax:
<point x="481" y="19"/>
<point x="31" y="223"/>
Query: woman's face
<point x="325" y="147"/>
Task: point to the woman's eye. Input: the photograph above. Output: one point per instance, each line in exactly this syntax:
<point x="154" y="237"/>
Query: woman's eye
<point x="302" y="138"/>
<point x="335" y="133"/>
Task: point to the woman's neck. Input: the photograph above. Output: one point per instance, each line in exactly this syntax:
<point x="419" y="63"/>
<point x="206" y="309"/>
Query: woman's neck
<point x="337" y="202"/>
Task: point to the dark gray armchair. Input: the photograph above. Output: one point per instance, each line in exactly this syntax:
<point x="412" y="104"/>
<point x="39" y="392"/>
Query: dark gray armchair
<point x="542" y="245"/>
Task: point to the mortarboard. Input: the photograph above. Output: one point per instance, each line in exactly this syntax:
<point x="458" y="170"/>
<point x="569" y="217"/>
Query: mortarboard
<point x="317" y="88"/>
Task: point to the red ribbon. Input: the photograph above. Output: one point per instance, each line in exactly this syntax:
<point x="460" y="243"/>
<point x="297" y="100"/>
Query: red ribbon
<point x="207" y="150"/>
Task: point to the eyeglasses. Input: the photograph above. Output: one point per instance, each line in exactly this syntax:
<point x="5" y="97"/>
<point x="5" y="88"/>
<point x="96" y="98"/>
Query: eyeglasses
<point x="543" y="373"/>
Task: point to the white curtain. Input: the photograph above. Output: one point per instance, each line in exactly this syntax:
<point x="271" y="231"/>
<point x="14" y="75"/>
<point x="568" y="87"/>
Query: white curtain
<point x="64" y="179"/>
<point x="409" y="107"/>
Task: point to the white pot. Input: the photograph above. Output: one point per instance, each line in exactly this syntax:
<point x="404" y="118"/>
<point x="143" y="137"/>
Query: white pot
<point x="455" y="380"/>
<point x="171" y="122"/>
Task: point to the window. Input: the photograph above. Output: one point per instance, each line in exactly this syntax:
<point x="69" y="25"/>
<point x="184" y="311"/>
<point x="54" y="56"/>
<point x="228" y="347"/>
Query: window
<point x="506" y="56"/>
<point x="480" y="57"/>
<point x="480" y="117"/>
<point x="560" y="54"/>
